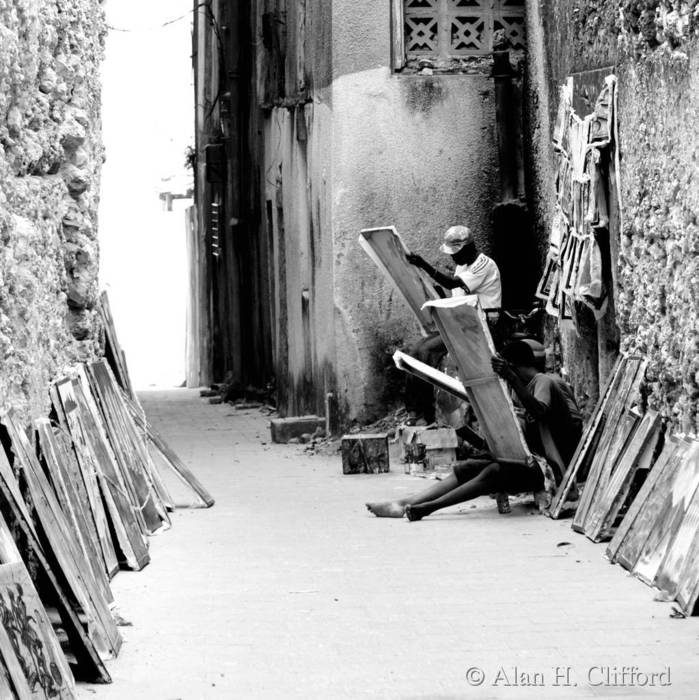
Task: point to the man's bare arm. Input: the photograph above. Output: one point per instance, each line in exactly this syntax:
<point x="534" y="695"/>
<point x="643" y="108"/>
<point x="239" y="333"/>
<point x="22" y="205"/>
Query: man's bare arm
<point x="445" y="280"/>
<point x="535" y="408"/>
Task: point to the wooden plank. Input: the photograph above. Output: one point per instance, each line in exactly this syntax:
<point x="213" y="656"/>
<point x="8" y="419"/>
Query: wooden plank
<point x="629" y="555"/>
<point x="687" y="593"/>
<point x="170" y="457"/>
<point x="31" y="636"/>
<point x="61" y="544"/>
<point x="387" y="249"/>
<point x="74" y="503"/>
<point x="97" y="458"/>
<point x="130" y="452"/>
<point x="622" y="440"/>
<point x="397" y="34"/>
<point x="674" y="506"/>
<point x="429" y="374"/>
<point x="115" y="355"/>
<point x="13" y="683"/>
<point x="612" y="438"/>
<point x="588" y="442"/>
<point x="69" y="418"/>
<point x="465" y="332"/>
<point x="88" y="660"/>
<point x="624" y="530"/>
<point x="673" y="565"/>
<point x="601" y="522"/>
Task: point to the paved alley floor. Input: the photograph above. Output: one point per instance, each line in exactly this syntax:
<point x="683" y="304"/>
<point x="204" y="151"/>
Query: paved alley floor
<point x="289" y="588"/>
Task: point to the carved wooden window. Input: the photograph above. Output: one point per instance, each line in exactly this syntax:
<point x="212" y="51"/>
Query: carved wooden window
<point x="450" y="29"/>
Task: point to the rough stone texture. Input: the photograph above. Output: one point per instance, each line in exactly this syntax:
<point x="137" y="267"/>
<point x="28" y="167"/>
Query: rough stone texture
<point x="654" y="46"/>
<point x="50" y="158"/>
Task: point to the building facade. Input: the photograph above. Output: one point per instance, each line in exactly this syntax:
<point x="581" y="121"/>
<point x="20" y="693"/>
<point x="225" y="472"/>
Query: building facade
<point x="329" y="118"/>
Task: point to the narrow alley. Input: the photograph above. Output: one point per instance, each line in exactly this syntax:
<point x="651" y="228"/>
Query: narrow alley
<point x="288" y="588"/>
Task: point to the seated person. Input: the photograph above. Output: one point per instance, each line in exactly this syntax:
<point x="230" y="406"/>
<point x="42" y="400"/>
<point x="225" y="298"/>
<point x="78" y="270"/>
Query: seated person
<point x="475" y="273"/>
<point x="555" y="427"/>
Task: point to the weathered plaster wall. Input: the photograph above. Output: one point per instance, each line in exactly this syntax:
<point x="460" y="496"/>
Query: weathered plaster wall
<point x="298" y="209"/>
<point x="416" y="152"/>
<point x="50" y="157"/>
<point x="655" y="47"/>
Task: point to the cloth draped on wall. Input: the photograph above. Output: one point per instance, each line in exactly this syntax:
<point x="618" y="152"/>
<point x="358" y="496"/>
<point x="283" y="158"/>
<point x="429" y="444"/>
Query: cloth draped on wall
<point x="573" y="269"/>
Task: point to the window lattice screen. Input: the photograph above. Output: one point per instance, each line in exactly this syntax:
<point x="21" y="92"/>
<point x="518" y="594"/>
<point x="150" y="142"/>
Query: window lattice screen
<point x="453" y="28"/>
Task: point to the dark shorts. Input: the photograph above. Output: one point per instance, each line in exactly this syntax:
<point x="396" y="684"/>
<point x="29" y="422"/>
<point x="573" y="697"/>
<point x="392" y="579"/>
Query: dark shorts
<point x="511" y="478"/>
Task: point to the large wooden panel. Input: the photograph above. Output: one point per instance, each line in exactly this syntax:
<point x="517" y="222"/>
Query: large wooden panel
<point x="61" y="546"/>
<point x="169" y="456"/>
<point x="130" y="451"/>
<point x="88" y="659"/>
<point x="97" y="458"/>
<point x="465" y="332"/>
<point x="87" y="483"/>
<point x="616" y="432"/>
<point x="679" y="551"/>
<point x="601" y="520"/>
<point x="668" y="517"/>
<point x="115" y="354"/>
<point x="386" y="248"/>
<point x="70" y="492"/>
<point x="589" y="442"/>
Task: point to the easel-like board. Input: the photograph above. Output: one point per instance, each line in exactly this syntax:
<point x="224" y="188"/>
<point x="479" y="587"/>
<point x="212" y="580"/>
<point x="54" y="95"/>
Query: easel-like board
<point x="616" y="432"/>
<point x="115" y="354"/>
<point x="429" y="374"/>
<point x="622" y="438"/>
<point x="97" y="458"/>
<point x="386" y="248"/>
<point x="68" y="559"/>
<point x="641" y="448"/>
<point x="129" y="451"/>
<point x="169" y="456"/>
<point x="618" y="543"/>
<point x="31" y="636"/>
<point x="69" y="419"/>
<point x="679" y="551"/>
<point x="73" y="502"/>
<point x="91" y="665"/>
<point x="638" y="535"/>
<point x="588" y="443"/>
<point x="670" y="514"/>
<point x="465" y="332"/>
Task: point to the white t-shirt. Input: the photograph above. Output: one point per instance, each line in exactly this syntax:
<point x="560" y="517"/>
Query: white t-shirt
<point x="482" y="278"/>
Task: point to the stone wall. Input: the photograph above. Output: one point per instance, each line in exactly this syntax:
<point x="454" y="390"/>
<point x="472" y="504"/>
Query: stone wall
<point x="50" y="159"/>
<point x="654" y="48"/>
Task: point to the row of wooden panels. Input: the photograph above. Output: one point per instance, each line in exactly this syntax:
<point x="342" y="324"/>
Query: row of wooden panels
<point x="80" y="495"/>
<point x="641" y="489"/>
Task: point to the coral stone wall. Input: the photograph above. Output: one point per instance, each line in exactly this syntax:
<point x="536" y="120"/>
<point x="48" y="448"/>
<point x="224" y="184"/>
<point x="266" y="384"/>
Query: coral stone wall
<point x="50" y="159"/>
<point x="654" y="47"/>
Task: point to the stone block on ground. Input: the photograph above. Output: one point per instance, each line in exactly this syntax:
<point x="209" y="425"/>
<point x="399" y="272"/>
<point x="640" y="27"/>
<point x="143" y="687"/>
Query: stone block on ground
<point x="284" y="429"/>
<point x="365" y="453"/>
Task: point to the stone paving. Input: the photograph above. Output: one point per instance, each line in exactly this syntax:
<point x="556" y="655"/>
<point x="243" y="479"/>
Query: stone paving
<point x="289" y="588"/>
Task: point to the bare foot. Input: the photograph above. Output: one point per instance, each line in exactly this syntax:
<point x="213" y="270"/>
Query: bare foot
<point x="388" y="509"/>
<point x="414" y="513"/>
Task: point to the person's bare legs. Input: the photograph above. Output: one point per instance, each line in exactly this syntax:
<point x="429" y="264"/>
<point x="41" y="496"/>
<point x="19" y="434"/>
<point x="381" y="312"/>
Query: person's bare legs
<point x="396" y="509"/>
<point x="486" y="481"/>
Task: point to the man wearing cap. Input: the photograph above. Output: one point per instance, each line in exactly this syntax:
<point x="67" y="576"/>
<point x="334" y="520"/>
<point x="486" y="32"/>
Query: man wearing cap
<point x="475" y="273"/>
